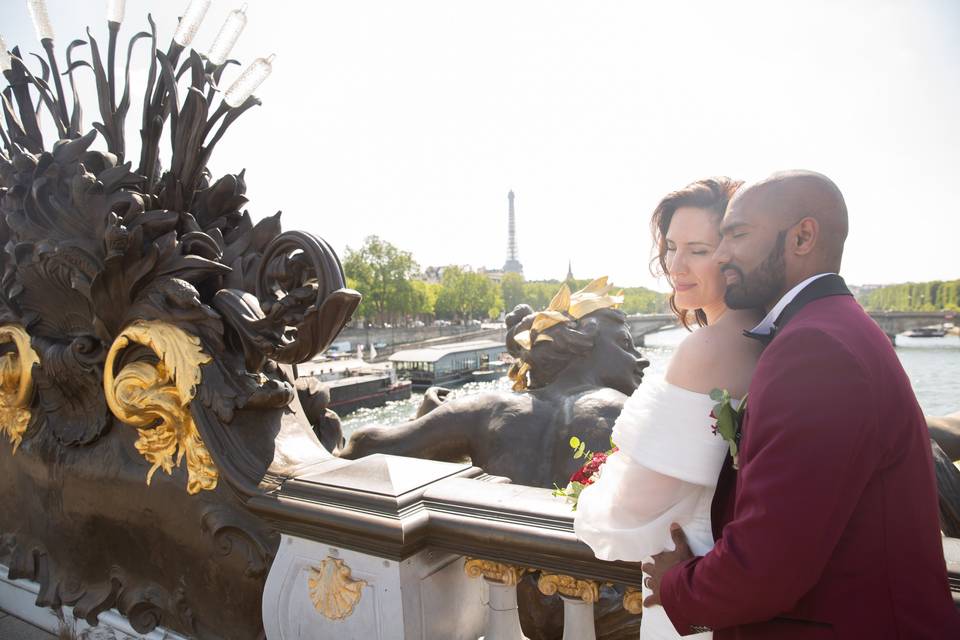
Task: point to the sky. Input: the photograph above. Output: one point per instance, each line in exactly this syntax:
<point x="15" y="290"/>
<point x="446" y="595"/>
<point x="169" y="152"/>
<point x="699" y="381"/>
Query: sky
<point x="412" y="120"/>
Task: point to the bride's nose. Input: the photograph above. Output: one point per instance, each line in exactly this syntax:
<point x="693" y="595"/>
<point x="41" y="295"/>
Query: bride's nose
<point x="677" y="265"/>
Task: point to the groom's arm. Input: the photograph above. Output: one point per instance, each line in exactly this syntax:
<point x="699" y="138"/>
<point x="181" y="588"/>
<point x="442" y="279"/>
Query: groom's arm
<point x="806" y="457"/>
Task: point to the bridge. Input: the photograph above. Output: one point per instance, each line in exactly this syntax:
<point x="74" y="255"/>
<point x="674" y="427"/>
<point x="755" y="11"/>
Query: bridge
<point x="642" y="324"/>
<point x="894" y="322"/>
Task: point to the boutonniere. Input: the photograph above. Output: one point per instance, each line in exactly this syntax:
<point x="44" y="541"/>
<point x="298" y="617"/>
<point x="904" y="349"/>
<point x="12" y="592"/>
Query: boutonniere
<point x="728" y="421"/>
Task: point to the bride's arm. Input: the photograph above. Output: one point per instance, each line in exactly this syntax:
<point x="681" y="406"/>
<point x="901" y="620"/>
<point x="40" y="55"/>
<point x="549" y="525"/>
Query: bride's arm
<point x="626" y="514"/>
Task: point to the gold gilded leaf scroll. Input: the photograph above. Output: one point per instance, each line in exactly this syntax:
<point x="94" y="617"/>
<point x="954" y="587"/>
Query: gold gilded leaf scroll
<point x="16" y="383"/>
<point x="155" y="398"/>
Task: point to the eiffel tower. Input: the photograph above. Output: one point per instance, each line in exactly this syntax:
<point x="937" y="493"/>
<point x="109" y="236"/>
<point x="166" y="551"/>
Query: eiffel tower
<point x="513" y="264"/>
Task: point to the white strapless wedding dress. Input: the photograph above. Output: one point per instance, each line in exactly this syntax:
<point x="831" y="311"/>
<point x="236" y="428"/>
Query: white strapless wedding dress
<point x="665" y="471"/>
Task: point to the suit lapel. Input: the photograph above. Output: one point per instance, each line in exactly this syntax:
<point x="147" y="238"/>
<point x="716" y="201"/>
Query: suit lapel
<point x="721" y="510"/>
<point x="828" y="285"/>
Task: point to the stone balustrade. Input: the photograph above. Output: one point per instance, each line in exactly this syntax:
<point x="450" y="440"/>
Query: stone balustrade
<point x="392" y="548"/>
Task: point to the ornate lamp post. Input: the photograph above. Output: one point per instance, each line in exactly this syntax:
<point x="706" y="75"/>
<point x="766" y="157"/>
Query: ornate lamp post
<point x="141" y="295"/>
<point x="41" y="22"/>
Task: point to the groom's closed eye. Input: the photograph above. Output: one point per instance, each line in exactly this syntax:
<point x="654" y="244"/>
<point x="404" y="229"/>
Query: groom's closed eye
<point x="733" y="232"/>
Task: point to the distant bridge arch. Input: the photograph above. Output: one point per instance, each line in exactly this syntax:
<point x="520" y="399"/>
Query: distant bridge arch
<point x="894" y="322"/>
<point x="642" y="324"/>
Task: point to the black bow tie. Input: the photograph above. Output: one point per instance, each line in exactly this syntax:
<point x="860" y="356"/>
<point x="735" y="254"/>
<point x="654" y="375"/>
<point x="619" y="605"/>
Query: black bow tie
<point x="763" y="338"/>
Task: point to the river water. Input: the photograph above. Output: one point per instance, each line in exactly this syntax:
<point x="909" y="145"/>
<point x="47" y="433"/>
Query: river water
<point x="933" y="365"/>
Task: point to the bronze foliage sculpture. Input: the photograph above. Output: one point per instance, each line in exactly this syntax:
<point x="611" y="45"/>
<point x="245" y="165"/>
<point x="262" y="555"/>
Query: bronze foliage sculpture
<point x="147" y="328"/>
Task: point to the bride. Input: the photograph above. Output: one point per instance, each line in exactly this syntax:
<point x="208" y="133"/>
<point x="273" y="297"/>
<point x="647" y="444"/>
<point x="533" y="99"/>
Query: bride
<point x="668" y="461"/>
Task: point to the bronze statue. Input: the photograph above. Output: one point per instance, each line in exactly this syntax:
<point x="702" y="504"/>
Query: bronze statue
<point x="576" y="365"/>
<point x="945" y="431"/>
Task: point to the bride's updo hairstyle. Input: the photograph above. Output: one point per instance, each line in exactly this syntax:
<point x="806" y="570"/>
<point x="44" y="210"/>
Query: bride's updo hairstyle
<point x="712" y="194"/>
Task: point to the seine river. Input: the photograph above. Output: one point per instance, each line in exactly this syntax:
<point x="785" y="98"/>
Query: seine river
<point x="933" y="365"/>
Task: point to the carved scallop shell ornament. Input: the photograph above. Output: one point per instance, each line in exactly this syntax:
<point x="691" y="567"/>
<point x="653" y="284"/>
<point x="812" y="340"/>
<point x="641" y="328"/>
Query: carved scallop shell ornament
<point x="333" y="590"/>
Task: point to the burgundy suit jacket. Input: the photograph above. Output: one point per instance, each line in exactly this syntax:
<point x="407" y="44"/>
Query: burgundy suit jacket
<point x="830" y="527"/>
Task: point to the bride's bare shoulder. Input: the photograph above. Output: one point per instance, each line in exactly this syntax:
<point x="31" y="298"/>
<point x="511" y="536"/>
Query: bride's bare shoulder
<point x="715" y="357"/>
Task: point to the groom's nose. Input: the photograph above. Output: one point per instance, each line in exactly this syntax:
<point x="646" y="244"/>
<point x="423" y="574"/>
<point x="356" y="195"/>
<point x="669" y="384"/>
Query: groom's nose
<point x="721" y="254"/>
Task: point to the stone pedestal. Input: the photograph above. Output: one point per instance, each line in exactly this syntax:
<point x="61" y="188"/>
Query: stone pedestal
<point x="353" y="563"/>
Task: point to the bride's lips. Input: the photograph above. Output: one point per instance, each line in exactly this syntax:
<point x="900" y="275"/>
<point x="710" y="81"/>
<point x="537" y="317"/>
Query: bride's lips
<point x="680" y="288"/>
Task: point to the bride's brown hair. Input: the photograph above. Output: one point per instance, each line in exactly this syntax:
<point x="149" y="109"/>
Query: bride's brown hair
<point x="710" y="193"/>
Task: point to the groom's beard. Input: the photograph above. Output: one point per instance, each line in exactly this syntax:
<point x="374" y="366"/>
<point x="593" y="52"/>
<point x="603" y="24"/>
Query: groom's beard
<point x="758" y="289"/>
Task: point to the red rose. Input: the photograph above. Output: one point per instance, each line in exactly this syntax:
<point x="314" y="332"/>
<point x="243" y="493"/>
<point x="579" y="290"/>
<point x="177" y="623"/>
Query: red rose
<point x="595" y="462"/>
<point x="580" y="476"/>
<point x="584" y="475"/>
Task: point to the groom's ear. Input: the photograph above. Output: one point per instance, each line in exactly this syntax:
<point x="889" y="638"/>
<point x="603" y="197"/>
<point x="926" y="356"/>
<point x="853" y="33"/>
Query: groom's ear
<point x="805" y="236"/>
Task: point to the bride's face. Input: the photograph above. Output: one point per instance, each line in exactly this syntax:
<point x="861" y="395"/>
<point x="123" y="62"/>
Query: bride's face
<point x="692" y="238"/>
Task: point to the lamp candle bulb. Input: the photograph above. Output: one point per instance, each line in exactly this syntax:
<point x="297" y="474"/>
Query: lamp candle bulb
<point x="227" y="37"/>
<point x="41" y="19"/>
<point x="252" y="77"/>
<point x="190" y="22"/>
<point x="4" y="57"/>
<point x="115" y="10"/>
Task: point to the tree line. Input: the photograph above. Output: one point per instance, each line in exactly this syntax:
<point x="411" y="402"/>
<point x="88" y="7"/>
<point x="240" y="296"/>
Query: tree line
<point x="937" y="295"/>
<point x="392" y="293"/>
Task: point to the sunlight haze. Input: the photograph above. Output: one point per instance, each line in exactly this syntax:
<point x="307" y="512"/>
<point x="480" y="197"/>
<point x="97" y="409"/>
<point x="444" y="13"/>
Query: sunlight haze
<point x="412" y="120"/>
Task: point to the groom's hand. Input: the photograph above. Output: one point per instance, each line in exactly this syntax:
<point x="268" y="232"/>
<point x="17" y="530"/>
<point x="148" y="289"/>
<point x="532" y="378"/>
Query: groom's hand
<point x="663" y="562"/>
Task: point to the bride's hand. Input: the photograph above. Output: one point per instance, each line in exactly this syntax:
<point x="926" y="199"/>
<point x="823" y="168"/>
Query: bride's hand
<point x="663" y="562"/>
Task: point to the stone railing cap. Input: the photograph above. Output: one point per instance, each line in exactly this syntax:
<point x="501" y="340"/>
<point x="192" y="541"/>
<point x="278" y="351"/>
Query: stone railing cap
<point x="382" y="474"/>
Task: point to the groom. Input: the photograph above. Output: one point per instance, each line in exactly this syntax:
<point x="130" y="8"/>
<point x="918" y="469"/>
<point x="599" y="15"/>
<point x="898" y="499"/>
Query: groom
<point x="829" y="529"/>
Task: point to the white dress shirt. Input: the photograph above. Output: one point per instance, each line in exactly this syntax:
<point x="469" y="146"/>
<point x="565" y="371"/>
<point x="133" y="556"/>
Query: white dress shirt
<point x="766" y="325"/>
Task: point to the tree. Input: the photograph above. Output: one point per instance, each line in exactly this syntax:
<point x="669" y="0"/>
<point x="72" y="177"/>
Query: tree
<point x="635" y="299"/>
<point x="643" y="300"/>
<point x="913" y="296"/>
<point x="423" y="298"/>
<point x="465" y="295"/>
<point x="539" y="294"/>
<point x="381" y="272"/>
<point x="511" y="290"/>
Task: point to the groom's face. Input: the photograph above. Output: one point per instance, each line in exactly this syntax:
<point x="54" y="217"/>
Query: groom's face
<point x="751" y="257"/>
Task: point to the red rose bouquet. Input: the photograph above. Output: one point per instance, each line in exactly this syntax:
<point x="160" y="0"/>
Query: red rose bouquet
<point x="585" y="475"/>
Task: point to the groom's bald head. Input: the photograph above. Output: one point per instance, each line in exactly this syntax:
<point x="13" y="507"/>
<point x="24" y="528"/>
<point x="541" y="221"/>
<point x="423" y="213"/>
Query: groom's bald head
<point x="777" y="233"/>
<point x="789" y="197"/>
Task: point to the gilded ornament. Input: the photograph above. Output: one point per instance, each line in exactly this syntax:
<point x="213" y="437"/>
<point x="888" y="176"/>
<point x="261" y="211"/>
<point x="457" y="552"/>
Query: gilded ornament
<point x="333" y="590"/>
<point x="551" y="583"/>
<point x="493" y="571"/>
<point x="16" y="383"/>
<point x="633" y="600"/>
<point x="564" y="307"/>
<point x="155" y="398"/>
